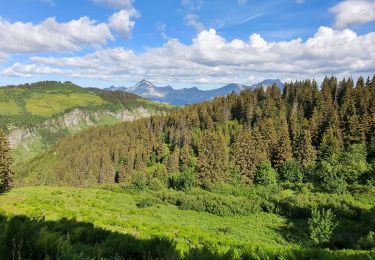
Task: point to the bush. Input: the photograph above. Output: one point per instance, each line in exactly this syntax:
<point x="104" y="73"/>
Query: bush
<point x="367" y="242"/>
<point x="331" y="178"/>
<point x="265" y="175"/>
<point x="321" y="226"/>
<point x="139" y="181"/>
<point x="158" y="171"/>
<point x="184" y="181"/>
<point x="147" y="202"/>
<point x="346" y="168"/>
<point x="213" y="203"/>
<point x="353" y="162"/>
<point x="335" y="185"/>
<point x="291" y="171"/>
<point x="156" y="185"/>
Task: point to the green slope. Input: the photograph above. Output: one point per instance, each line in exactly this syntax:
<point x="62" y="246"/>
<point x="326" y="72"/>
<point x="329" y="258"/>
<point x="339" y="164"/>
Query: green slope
<point x="37" y="115"/>
<point x="260" y="236"/>
<point x="30" y="104"/>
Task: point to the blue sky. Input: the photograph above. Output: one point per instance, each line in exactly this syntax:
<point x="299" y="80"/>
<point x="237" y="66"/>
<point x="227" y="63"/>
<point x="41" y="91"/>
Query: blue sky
<point x="204" y="43"/>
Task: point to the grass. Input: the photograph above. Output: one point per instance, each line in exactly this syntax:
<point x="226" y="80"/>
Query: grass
<point x="118" y="212"/>
<point x="31" y="104"/>
<point x="58" y="213"/>
<point x="50" y="104"/>
<point x="9" y="108"/>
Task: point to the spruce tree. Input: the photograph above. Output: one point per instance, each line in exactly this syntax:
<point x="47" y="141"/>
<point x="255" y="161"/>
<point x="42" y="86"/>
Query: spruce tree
<point x="213" y="159"/>
<point x="247" y="153"/>
<point x="283" y="149"/>
<point x="6" y="173"/>
<point x="304" y="151"/>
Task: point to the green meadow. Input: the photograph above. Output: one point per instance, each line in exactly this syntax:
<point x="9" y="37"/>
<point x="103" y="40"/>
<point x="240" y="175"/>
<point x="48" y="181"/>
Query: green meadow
<point x="48" y="212"/>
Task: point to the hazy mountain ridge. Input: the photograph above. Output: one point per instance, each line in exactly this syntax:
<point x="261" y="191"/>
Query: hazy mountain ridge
<point x="186" y="96"/>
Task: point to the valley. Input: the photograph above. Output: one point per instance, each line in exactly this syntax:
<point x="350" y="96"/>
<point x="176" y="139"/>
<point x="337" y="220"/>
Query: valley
<point x="187" y="129"/>
<point x="259" y="174"/>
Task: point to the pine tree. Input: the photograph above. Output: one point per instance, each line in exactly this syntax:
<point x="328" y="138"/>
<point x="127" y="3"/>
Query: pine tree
<point x="247" y="153"/>
<point x="6" y="173"/>
<point x="331" y="144"/>
<point x="213" y="159"/>
<point x="283" y="149"/>
<point x="304" y="151"/>
<point x="173" y="161"/>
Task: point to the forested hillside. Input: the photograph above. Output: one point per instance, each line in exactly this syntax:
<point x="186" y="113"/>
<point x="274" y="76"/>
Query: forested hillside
<point x="34" y="116"/>
<point x="259" y="175"/>
<point x="325" y="135"/>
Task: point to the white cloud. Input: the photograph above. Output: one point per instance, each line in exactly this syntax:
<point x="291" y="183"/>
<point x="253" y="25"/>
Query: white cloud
<point x="122" y="23"/>
<point x="28" y="70"/>
<point x="50" y="35"/>
<point x="353" y="12"/>
<point x="300" y="1"/>
<point x="118" y="4"/>
<point x="193" y="21"/>
<point x="212" y="59"/>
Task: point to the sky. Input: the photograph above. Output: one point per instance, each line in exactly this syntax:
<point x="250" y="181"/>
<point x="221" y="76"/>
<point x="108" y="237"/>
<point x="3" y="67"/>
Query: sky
<point x="184" y="43"/>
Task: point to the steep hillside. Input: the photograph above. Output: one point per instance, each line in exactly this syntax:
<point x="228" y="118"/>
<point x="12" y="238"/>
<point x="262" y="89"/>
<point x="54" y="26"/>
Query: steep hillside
<point x="34" y="116"/>
<point x="227" y="139"/>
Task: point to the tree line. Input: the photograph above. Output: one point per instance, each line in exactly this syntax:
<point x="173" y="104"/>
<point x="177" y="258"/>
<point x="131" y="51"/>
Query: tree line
<point x="305" y="133"/>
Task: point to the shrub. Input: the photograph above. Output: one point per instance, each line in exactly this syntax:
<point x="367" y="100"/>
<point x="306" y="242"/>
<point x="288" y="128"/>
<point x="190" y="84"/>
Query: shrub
<point x="213" y="203"/>
<point x="147" y="202"/>
<point x="367" y="242"/>
<point x="331" y="178"/>
<point x="158" y="171"/>
<point x="265" y="174"/>
<point x="139" y="181"/>
<point x="353" y="162"/>
<point x="183" y="181"/>
<point x="291" y="171"/>
<point x="155" y="184"/>
<point x="338" y="170"/>
<point x="321" y="226"/>
<point x="370" y="176"/>
<point x="334" y="184"/>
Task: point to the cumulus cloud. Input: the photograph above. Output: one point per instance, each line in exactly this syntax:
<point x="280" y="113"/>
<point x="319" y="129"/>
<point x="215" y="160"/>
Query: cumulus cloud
<point x="50" y="35"/>
<point x="353" y="12"/>
<point x="28" y="70"/>
<point x="122" y="23"/>
<point x="210" y="58"/>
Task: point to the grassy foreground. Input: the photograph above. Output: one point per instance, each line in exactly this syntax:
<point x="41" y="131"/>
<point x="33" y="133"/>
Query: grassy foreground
<point x="93" y="223"/>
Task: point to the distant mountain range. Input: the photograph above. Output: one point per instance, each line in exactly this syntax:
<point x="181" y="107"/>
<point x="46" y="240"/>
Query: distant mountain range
<point x="186" y="96"/>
